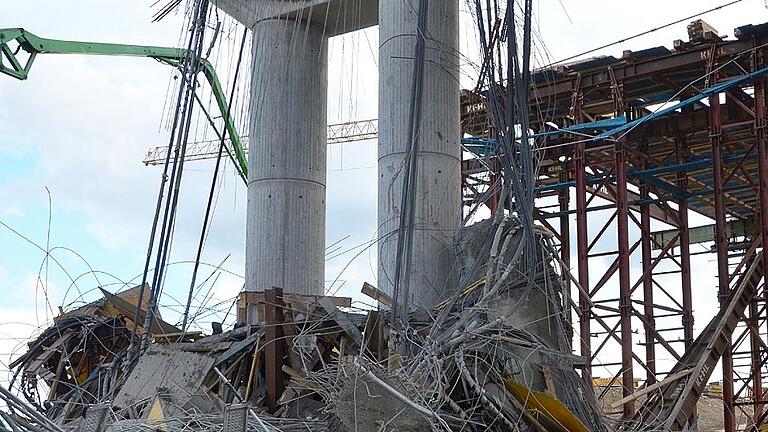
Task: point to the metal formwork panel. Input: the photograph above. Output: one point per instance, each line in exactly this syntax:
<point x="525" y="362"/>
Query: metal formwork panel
<point x="236" y="418"/>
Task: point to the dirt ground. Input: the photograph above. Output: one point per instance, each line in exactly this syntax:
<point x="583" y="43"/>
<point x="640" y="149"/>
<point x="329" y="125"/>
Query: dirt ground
<point x="710" y="410"/>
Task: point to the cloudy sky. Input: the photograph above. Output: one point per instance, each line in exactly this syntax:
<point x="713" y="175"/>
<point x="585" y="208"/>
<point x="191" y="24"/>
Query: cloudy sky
<point x="72" y="138"/>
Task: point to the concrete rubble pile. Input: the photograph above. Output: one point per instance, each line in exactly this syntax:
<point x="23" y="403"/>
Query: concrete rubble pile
<point x="495" y="356"/>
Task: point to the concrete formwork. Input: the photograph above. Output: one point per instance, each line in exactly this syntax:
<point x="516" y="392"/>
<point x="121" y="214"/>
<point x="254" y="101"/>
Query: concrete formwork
<point x="285" y="227"/>
<point x="438" y="206"/>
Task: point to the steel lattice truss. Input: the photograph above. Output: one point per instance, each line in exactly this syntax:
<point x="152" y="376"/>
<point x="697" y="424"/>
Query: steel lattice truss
<point x="337" y="134"/>
<point x="690" y="140"/>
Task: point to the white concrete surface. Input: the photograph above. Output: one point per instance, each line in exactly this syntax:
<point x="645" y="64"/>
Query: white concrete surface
<point x="285" y="226"/>
<point x="438" y="208"/>
<point x="335" y="16"/>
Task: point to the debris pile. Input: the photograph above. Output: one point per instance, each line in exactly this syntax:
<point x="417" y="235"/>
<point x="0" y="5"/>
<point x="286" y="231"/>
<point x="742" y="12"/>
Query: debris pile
<point x="494" y="356"/>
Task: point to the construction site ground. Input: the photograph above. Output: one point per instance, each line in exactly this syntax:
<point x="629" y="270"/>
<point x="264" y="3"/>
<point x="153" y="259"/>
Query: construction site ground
<point x="709" y="408"/>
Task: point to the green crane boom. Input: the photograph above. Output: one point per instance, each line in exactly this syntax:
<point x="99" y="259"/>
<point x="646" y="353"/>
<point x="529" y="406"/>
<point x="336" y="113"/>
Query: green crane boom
<point x="175" y="57"/>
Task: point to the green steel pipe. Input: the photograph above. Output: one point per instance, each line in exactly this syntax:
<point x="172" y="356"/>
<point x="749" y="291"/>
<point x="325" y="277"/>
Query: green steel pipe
<point x="35" y="45"/>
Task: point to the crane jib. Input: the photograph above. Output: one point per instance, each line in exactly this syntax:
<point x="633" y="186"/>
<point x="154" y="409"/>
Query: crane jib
<point x="11" y="65"/>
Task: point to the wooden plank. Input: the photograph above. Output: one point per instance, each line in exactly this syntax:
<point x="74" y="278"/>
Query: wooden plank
<point x="53" y="394"/>
<point x="259" y="297"/>
<point x="253" y="372"/>
<point x="273" y="344"/>
<point x="652" y="387"/>
<point x="128" y="309"/>
<point x="376" y="294"/>
<point x="342" y="321"/>
<point x="300" y="378"/>
<point x="289" y="329"/>
<point x="338" y="301"/>
<point x="238" y="347"/>
<point x="176" y="337"/>
<point x="41" y="354"/>
<point x="375" y="336"/>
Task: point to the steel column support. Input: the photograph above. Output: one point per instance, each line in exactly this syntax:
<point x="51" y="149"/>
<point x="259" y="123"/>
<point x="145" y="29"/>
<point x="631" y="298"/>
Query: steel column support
<point x="685" y="246"/>
<point x="625" y="289"/>
<point x="756" y="366"/>
<point x="762" y="156"/>
<point x="583" y="261"/>
<point x="681" y="152"/>
<point x="650" y="321"/>
<point x="494" y="186"/>
<point x="721" y="243"/>
<point x="623" y="251"/>
<point x="565" y="250"/>
<point x="582" y="241"/>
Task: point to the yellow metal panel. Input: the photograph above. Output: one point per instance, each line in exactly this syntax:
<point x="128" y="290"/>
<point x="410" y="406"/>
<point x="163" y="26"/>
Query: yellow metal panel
<point x="156" y="414"/>
<point x="547" y="406"/>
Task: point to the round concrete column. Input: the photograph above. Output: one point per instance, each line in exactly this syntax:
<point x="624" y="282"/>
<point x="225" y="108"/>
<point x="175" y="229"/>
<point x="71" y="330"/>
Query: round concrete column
<point x="438" y="201"/>
<point x="285" y="227"/>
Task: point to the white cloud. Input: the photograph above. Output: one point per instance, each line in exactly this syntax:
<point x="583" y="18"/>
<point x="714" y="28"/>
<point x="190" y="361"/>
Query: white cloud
<point x="13" y="211"/>
<point x="90" y="120"/>
<point x="111" y="238"/>
<point x="16" y="330"/>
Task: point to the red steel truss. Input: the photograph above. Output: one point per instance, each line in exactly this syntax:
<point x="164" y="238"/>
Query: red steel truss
<point x="621" y="205"/>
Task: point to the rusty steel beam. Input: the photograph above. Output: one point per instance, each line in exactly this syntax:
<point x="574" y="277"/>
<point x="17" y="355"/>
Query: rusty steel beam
<point x="721" y="244"/>
<point x="583" y="262"/>
<point x="685" y="248"/>
<point x="761" y="142"/>
<point x="625" y="301"/>
<point x="582" y="251"/>
<point x="756" y="366"/>
<point x="671" y="407"/>
<point x="632" y="70"/>
<point x="580" y="175"/>
<point x="649" y="320"/>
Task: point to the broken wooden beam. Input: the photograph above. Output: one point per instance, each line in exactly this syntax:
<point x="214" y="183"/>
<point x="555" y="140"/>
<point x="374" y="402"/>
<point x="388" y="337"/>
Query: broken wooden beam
<point x="341" y="319"/>
<point x="250" y="305"/>
<point x="274" y="346"/>
<point x="376" y="294"/>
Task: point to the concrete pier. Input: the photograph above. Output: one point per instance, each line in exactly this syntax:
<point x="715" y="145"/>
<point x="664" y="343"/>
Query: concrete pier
<point x="286" y="193"/>
<point x="438" y="206"/>
<point x="285" y="227"/>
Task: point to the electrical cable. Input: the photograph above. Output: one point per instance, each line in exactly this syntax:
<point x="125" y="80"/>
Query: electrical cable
<point x="590" y="51"/>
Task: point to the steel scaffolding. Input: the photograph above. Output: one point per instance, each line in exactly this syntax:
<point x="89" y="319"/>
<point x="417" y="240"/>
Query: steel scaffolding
<point x="631" y="147"/>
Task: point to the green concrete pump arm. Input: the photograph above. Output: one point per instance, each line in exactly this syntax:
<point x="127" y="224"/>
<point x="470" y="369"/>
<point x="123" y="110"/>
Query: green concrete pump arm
<point x="35" y="45"/>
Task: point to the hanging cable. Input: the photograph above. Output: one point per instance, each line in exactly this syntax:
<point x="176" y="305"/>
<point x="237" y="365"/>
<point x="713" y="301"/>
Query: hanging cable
<point x="644" y="33"/>
<point x="185" y="68"/>
<point x="189" y="80"/>
<point x="522" y="84"/>
<point x="181" y="146"/>
<point x="212" y="191"/>
<point x="408" y="197"/>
